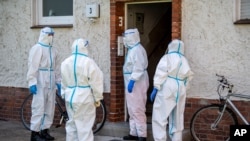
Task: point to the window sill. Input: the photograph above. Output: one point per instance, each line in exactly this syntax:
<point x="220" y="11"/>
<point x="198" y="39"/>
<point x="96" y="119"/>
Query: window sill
<point x="53" y="26"/>
<point x="242" y="21"/>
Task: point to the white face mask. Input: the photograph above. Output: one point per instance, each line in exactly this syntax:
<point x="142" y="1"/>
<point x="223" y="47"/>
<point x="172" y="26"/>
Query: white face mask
<point x="46" y="39"/>
<point x="50" y="40"/>
<point x="125" y="42"/>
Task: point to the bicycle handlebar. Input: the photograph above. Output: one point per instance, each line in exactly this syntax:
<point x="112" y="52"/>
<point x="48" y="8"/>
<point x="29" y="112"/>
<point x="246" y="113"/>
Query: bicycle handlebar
<point x="224" y="83"/>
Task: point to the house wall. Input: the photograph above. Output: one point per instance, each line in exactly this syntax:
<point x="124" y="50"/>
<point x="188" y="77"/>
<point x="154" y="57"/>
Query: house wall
<point x="16" y="38"/>
<point x="214" y="44"/>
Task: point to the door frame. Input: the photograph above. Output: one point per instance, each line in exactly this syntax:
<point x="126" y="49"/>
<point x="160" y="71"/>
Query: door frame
<point x="117" y="26"/>
<point x="126" y="27"/>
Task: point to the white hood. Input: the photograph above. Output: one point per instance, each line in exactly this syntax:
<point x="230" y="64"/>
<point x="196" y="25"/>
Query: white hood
<point x="45" y="36"/>
<point x="176" y="46"/>
<point x="131" y="38"/>
<point x="80" y="46"/>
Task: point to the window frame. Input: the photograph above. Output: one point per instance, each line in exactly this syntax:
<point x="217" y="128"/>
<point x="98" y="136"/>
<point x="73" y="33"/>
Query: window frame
<point x="56" y="21"/>
<point x="237" y="14"/>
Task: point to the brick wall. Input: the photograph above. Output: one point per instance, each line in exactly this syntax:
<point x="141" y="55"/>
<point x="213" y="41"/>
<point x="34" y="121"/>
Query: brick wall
<point x="193" y="104"/>
<point x="11" y="99"/>
<point x="116" y="90"/>
<point x="176" y="19"/>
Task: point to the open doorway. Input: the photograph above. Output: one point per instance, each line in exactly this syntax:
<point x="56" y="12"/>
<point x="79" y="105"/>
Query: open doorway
<point x="153" y="21"/>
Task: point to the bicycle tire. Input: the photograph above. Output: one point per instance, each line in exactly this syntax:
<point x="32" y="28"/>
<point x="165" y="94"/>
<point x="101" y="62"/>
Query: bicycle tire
<point x="100" y="117"/>
<point x="26" y="111"/>
<point x="202" y="120"/>
<point x="25" y="114"/>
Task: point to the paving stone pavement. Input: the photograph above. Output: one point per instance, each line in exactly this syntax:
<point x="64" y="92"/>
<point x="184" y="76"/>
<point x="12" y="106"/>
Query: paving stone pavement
<point x="15" y="131"/>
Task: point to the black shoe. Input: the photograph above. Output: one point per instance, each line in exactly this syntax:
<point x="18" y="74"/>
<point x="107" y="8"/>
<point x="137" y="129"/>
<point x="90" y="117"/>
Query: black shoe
<point x="45" y="134"/>
<point x="142" y="139"/>
<point x="130" y="137"/>
<point x="35" y="136"/>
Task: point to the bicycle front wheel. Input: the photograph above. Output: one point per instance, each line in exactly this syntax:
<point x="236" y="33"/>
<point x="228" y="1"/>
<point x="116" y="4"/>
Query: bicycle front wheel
<point x="100" y="117"/>
<point x="26" y="111"/>
<point x="202" y="123"/>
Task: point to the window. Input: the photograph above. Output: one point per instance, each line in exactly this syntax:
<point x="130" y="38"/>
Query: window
<point x="242" y="12"/>
<point x="52" y="13"/>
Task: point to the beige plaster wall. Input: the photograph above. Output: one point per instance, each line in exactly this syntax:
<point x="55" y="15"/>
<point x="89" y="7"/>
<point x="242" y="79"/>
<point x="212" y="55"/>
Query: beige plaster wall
<point x="215" y="45"/>
<point x="16" y="38"/>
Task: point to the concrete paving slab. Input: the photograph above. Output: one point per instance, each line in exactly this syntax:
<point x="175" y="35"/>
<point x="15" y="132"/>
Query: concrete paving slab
<point x="15" y="131"/>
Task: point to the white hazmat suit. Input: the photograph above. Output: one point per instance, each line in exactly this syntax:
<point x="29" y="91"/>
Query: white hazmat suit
<point x="82" y="86"/>
<point x="135" y="69"/>
<point x="170" y="79"/>
<point x="44" y="73"/>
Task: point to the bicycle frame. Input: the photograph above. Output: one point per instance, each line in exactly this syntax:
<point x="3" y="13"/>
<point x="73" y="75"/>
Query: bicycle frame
<point x="64" y="114"/>
<point x="235" y="108"/>
<point x="219" y="116"/>
<point x="226" y="99"/>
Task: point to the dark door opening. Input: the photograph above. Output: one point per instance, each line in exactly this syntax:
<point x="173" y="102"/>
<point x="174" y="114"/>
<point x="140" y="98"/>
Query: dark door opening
<point x="153" y="21"/>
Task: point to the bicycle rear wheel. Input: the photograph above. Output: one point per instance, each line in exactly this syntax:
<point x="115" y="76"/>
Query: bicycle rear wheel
<point x="100" y="117"/>
<point x="25" y="114"/>
<point x="26" y="111"/>
<point x="201" y="126"/>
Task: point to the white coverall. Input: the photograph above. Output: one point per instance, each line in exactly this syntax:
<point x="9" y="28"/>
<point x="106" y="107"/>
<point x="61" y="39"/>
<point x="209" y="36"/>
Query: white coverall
<point x="171" y="77"/>
<point x="44" y="72"/>
<point x="135" y="68"/>
<point x="82" y="85"/>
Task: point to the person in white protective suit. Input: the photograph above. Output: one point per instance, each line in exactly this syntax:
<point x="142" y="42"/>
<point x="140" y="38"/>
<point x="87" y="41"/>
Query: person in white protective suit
<point x="82" y="89"/>
<point x="43" y="77"/>
<point x="136" y="85"/>
<point x="169" y="94"/>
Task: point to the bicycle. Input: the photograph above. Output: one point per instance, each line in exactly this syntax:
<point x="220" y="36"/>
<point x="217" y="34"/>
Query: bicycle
<point x="59" y="102"/>
<point x="212" y="122"/>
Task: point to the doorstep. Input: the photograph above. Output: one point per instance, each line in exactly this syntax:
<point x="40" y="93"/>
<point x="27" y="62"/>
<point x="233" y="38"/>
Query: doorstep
<point x="120" y="129"/>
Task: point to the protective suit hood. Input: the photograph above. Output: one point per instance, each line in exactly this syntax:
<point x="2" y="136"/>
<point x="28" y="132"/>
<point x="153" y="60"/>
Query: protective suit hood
<point x="46" y="36"/>
<point x="80" y="46"/>
<point x="131" y="38"/>
<point x="176" y="46"/>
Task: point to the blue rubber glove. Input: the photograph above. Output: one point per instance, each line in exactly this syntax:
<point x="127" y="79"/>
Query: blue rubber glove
<point x="58" y="88"/>
<point x="33" y="89"/>
<point x="131" y="85"/>
<point x="153" y="94"/>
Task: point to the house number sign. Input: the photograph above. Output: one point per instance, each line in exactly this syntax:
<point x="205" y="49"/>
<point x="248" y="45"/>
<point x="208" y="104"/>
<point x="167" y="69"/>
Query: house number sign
<point x="120" y="21"/>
